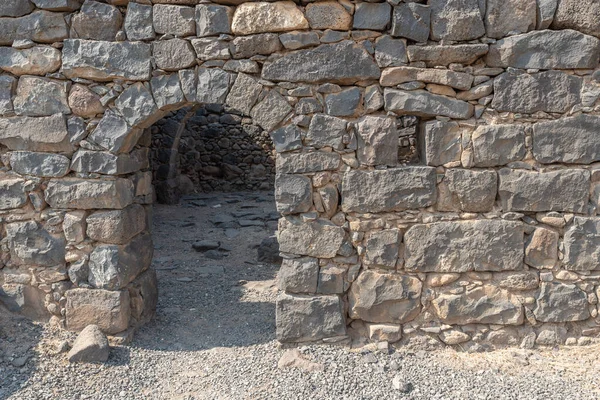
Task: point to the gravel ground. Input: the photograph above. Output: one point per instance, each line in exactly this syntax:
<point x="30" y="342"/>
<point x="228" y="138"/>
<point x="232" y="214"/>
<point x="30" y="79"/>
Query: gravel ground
<point x="213" y="337"/>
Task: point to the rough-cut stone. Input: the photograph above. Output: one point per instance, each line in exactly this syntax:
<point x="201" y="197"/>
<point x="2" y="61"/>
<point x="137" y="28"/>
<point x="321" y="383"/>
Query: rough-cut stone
<point x="39" y="97"/>
<point x="7" y="92"/>
<point x="98" y="21"/>
<point x="213" y="85"/>
<point x="105" y="61"/>
<point x="47" y="165"/>
<point x="167" y="92"/>
<point x="572" y="140"/>
<point x="89" y="194"/>
<point x="136" y="105"/>
<point x="74" y="228"/>
<point x="173" y="54"/>
<point x="107" y="309"/>
<point x="12" y="192"/>
<point x="456" y="20"/>
<point x="293" y="194"/>
<point x="58" y="5"/>
<point x="90" y="346"/>
<point x="390" y="52"/>
<point x="35" y="134"/>
<point x="564" y="190"/>
<point x="249" y="46"/>
<point x="84" y="102"/>
<point x="244" y="93"/>
<point x="424" y="104"/>
<point x="541" y="250"/>
<point x="382" y="248"/>
<point x="566" y="49"/>
<point x="301" y="163"/>
<point x="389" y="190"/>
<point x="582" y="245"/>
<point x="485" y="304"/>
<point x="319" y="238"/>
<point x="143" y="292"/>
<point x="309" y="318"/>
<point x="467" y="190"/>
<point x="213" y="19"/>
<point x="40" y="26"/>
<point x="325" y="130"/>
<point x="174" y="20"/>
<point x="545" y="13"/>
<point x="138" y="22"/>
<point x="103" y="162"/>
<point x="397" y="75"/>
<point x="287" y="138"/>
<point x="373" y="16"/>
<point x="412" y="21"/>
<point x="377" y="141"/>
<point x="328" y="15"/>
<point x="299" y="40"/>
<point x="509" y="16"/>
<point x="495" y="145"/>
<point x="30" y="244"/>
<point x="211" y="49"/>
<point x="445" y="54"/>
<point x="343" y="104"/>
<point x="581" y="15"/>
<point x="15" y="8"/>
<point x="385" y="298"/>
<point x="345" y="62"/>
<point x="550" y="91"/>
<point x="259" y="17"/>
<point x="559" y="302"/>
<point x="38" y="60"/>
<point x="440" y="142"/>
<point x="113" y="134"/>
<point x="116" y="226"/>
<point x="299" y="275"/>
<point x="526" y="280"/>
<point x="269" y="112"/>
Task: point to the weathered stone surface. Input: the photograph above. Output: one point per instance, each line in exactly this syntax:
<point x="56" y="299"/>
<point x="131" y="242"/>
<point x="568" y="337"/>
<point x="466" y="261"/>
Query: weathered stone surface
<point x="328" y="15"/>
<point x="112" y="267"/>
<point x="344" y="62"/>
<point x="12" y="192"/>
<point x="249" y="46"/>
<point x="8" y="85"/>
<point x="211" y="49"/>
<point x="107" y="309"/>
<point x="467" y="190"/>
<point x="550" y="91"/>
<point x="143" y="292"/>
<point x="89" y="194"/>
<point x="167" y="92"/>
<point x="390" y="52"/>
<point x="453" y="337"/>
<point x="98" y="21"/>
<point x="213" y="19"/>
<point x="509" y="16"/>
<point x="445" y="55"/>
<point x="526" y="280"/>
<point x="174" y="19"/>
<point x="38" y="60"/>
<point x="396" y="75"/>
<point x="319" y="238"/>
<point x="456" y="20"/>
<point x="485" y="304"/>
<point x="269" y="112"/>
<point x="566" y="49"/>
<point x="373" y="99"/>
<point x="382" y="248"/>
<point x="495" y="145"/>
<point x="58" y="5"/>
<point x="389" y="190"/>
<point x="440" y="142"/>
<point x="40" y="26"/>
<point x="136" y="105"/>
<point x="84" y="102"/>
<point x="213" y="85"/>
<point x="541" y="250"/>
<point x="16" y="8"/>
<point x="35" y="134"/>
<point x="39" y="97"/>
<point x="74" y="228"/>
<point x="301" y="163"/>
<point x="578" y="15"/>
<point x="173" y="54"/>
<point x="377" y="141"/>
<point x="564" y="190"/>
<point x="30" y="244"/>
<point x="24" y="299"/>
<point x="90" y="346"/>
<point x="425" y="104"/>
<point x="412" y="21"/>
<point x="582" y="245"/>
<point x="373" y="16"/>
<point x="113" y="134"/>
<point x="387" y="298"/>
<point x="545" y="13"/>
<point x="572" y="140"/>
<point x="105" y="61"/>
<point x="477" y="92"/>
<point x="325" y="130"/>
<point x="287" y="138"/>
<point x="299" y="40"/>
<point x="293" y="193"/>
<point x="484" y="245"/>
<point x="309" y="318"/>
<point x="244" y="93"/>
<point x="343" y="104"/>
<point x="103" y="162"/>
<point x="262" y="17"/>
<point x="39" y="164"/>
<point x="116" y="226"/>
<point x="299" y="275"/>
<point x="138" y="22"/>
<point x="559" y="302"/>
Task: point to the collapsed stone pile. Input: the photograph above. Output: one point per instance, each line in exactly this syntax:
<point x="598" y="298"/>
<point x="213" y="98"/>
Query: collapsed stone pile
<point x="491" y="239"/>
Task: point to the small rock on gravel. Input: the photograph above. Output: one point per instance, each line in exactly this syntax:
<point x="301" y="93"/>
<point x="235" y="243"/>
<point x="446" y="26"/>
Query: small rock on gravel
<point x="90" y="346"/>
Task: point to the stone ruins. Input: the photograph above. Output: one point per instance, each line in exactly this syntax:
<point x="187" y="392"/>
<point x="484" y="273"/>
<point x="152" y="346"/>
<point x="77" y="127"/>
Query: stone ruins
<point x="490" y="235"/>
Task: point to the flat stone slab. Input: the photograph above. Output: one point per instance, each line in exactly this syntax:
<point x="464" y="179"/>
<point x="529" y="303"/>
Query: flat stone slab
<point x="425" y="104"/>
<point x="89" y="194"/>
<point x="582" y="245"/>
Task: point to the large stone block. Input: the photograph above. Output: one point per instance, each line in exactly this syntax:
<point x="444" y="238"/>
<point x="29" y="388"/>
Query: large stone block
<point x="325" y="130"/>
<point x="39" y="97"/>
<point x="98" y="21"/>
<point x="103" y="162"/>
<point x="319" y="238"/>
<point x="110" y="310"/>
<point x="137" y="106"/>
<point x="270" y="111"/>
<point x="541" y="250"/>
<point x="309" y="318"/>
<point x="40" y="26"/>
<point x="345" y="62"/>
<point x="377" y="141"/>
<point x="287" y="138"/>
<point x="259" y="17"/>
<point x="582" y="245"/>
<point x="301" y="163"/>
<point x="581" y="15"/>
<point x="382" y="248"/>
<point x="116" y="226"/>
<point x="387" y="298"/>
<point x="390" y="52"/>
<point x="550" y="91"/>
<point x="30" y="244"/>
<point x="299" y="275"/>
<point x="397" y="75"/>
<point x="440" y="142"/>
<point x="373" y="16"/>
<point x="211" y="48"/>
<point x="105" y="61"/>
<point x="12" y="192"/>
<point x="35" y="134"/>
<point x="467" y="190"/>
<point x="343" y="104"/>
<point x="89" y="194"/>
<point x="213" y="19"/>
<point x="328" y="15"/>
<point x="167" y="92"/>
<point x="572" y="140"/>
<point x="47" y="165"/>
<point x="485" y="304"/>
<point x="495" y="145"/>
<point x="389" y="190"/>
<point x="564" y="190"/>
<point x="446" y="54"/>
<point x="293" y="193"/>
<point x="173" y="54"/>
<point x="84" y="102"/>
<point x="412" y="21"/>
<point x="244" y="93"/>
<point x="58" y="5"/>
<point x="559" y="302"/>
<point x="213" y="85"/>
<point x="38" y="60"/>
<point x="425" y="104"/>
<point x="138" y="22"/>
<point x="15" y="8"/>
<point x="477" y="245"/>
<point x="456" y="20"/>
<point x="174" y="20"/>
<point x="546" y="49"/>
<point x="252" y="45"/>
<point x="509" y="16"/>
<point x="112" y="133"/>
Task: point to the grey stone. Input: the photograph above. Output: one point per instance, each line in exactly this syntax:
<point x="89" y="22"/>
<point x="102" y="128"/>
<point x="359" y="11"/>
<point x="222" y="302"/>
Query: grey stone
<point x="268" y="250"/>
<point x="91" y="346"/>
<point x="205" y="245"/>
<point x="89" y="194"/>
<point x="30" y="244"/>
<point x="377" y="141"/>
<point x="293" y="194"/>
<point x="270" y="111"/>
<point x="12" y="192"/>
<point x="26" y="300"/>
<point x="7" y="91"/>
<point x="308" y="105"/>
<point x="440" y="142"/>
<point x="299" y="275"/>
<point x="582" y="240"/>
<point x="550" y="91"/>
<point x="444" y="54"/>
<point x="299" y="40"/>
<point x="136" y="105"/>
<point x="559" y="302"/>
<point x="258" y="17"/>
<point x="244" y="93"/>
<point x="579" y="15"/>
<point x="76" y="129"/>
<point x="105" y="61"/>
<point x="330" y="199"/>
<point x="384" y="298"/>
<point x="468" y="191"/>
<point x="98" y="21"/>
<point x="495" y="145"/>
<point x="116" y="226"/>
<point x="456" y="20"/>
<point x="309" y="318"/>
<point x="38" y="60"/>
<point x="211" y="49"/>
<point x="213" y="19"/>
<point x="58" y="5"/>
<point x="541" y="250"/>
<point x="412" y="21"/>
<point x="572" y="140"/>
<point x="389" y="190"/>
<point x="564" y="190"/>
<point x="249" y="46"/>
<point x="40" y="26"/>
<point x="213" y="85"/>
<point x="167" y="92"/>
<point x="107" y="309"/>
<point x="287" y="138"/>
<point x="331" y="280"/>
<point x="15" y="8"/>
<point x="84" y="102"/>
<point x="301" y="163"/>
<point x="382" y="248"/>
<point x="74" y="227"/>
<point x="373" y="16"/>
<point x="174" y="20"/>
<point x="143" y="293"/>
<point x="113" y="134"/>
<point x="390" y="52"/>
<point x="39" y="97"/>
<point x="526" y="280"/>
<point x="344" y="63"/>
<point x="509" y="16"/>
<point x="245" y="66"/>
<point x="138" y="22"/>
<point x="424" y="104"/>
<point x="566" y="49"/>
<point x="47" y="165"/>
<point x="173" y="54"/>
<point x="35" y="133"/>
<point x="343" y="104"/>
<point x="373" y="100"/>
<point x="477" y="92"/>
<point x="189" y="84"/>
<point x="319" y="238"/>
<point x="545" y="13"/>
<point x="328" y="15"/>
<point x="396" y="75"/>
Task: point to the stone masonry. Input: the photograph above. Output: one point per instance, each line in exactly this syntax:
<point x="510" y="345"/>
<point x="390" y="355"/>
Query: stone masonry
<point x="488" y="237"/>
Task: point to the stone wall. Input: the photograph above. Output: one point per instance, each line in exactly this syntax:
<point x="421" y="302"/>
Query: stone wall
<point x="489" y="240"/>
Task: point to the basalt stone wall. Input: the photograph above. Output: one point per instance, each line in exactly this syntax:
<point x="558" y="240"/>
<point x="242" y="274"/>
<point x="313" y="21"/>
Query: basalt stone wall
<point x="485" y="235"/>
